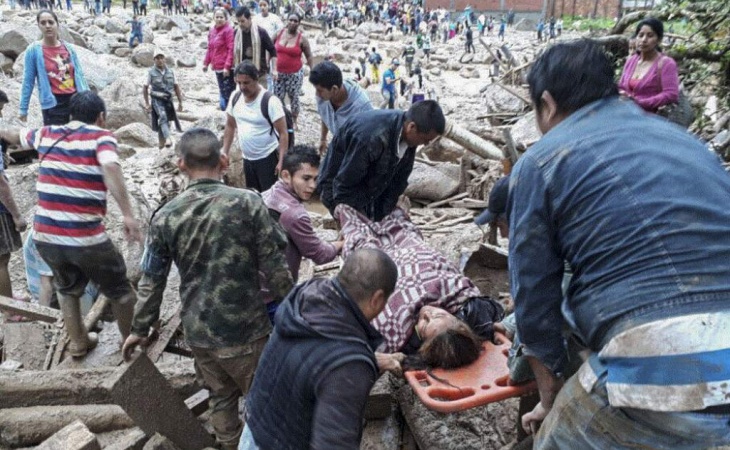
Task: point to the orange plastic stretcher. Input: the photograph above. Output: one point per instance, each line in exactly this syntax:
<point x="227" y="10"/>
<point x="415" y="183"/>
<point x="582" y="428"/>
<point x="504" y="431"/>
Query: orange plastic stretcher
<point x="484" y="381"/>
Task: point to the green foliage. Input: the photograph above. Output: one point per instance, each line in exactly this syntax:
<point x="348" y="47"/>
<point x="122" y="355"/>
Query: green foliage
<point x="586" y="24"/>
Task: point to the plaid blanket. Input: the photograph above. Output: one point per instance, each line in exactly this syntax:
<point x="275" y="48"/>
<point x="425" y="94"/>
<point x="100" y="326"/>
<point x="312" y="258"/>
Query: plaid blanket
<point x="425" y="276"/>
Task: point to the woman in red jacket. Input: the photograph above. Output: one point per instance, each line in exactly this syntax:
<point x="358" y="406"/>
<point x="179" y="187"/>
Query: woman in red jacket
<point x="290" y="44"/>
<point x="220" y="55"/>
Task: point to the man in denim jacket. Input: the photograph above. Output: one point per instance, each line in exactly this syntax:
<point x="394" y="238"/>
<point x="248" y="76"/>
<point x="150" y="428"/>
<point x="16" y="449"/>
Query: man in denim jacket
<point x="639" y="210"/>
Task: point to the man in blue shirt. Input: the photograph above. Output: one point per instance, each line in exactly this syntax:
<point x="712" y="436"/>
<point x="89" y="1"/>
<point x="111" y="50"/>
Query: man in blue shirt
<point x="337" y="100"/>
<point x="389" y="80"/>
<point x="638" y="209"/>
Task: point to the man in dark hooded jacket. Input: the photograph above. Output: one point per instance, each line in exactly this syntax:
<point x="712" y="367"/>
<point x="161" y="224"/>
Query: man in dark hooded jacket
<point x="372" y="155"/>
<point x="315" y="374"/>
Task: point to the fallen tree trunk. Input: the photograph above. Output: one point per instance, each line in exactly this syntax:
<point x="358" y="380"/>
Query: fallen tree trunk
<point x="472" y="142"/>
<point x="23" y="427"/>
<point x="80" y="387"/>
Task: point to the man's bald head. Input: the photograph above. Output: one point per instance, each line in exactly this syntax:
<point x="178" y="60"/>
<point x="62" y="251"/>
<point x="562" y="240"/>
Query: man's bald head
<point x="367" y="271"/>
<point x="200" y="149"/>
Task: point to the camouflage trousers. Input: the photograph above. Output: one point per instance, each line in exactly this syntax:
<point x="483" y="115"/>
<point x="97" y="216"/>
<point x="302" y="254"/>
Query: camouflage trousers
<point x="227" y="373"/>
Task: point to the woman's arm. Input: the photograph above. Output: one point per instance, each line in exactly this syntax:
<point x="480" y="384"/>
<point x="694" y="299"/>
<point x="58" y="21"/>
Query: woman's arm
<point x="30" y="73"/>
<point x="668" y="76"/>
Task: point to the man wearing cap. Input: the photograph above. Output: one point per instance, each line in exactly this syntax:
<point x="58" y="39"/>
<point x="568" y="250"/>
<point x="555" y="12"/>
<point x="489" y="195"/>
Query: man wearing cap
<point x="389" y="80"/>
<point x="161" y="79"/>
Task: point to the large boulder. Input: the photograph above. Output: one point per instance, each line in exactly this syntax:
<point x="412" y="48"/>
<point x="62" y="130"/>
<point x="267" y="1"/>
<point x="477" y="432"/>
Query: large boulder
<point x="499" y="100"/>
<point x="124" y="104"/>
<point x="469" y="72"/>
<point x="525" y="132"/>
<point x="368" y="28"/>
<point x="148" y="36"/>
<point x="137" y="135"/>
<point x="78" y="39"/>
<point x="6" y="64"/>
<point x="143" y="55"/>
<point x="429" y="183"/>
<point x="14" y="40"/>
<point x="170" y="22"/>
<point x="176" y="34"/>
<point x="100" y="43"/>
<point x="114" y="25"/>
<point x="99" y="70"/>
<point x="186" y="60"/>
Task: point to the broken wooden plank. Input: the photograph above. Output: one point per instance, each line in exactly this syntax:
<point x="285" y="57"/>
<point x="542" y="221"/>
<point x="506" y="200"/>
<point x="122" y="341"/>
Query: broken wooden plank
<point x="74" y="436"/>
<point x="30" y="310"/>
<point x="141" y="390"/>
<point x="24" y="427"/>
<point x="198" y="402"/>
<point x="165" y="335"/>
<point x="29" y="388"/>
<point x="515" y="93"/>
<point x="447" y="200"/>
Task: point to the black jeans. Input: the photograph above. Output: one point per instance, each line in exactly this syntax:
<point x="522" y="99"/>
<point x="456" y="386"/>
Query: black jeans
<point x="260" y="174"/>
<point x="59" y="114"/>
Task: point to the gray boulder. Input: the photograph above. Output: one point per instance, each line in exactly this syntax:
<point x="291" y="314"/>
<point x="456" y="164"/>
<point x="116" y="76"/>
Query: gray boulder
<point x="100" y="43"/>
<point x="176" y="34"/>
<point x="123" y="52"/>
<point x="137" y="135"/>
<point x="368" y="28"/>
<point x="186" y="60"/>
<point x="428" y="183"/>
<point x="114" y="25"/>
<point x="525" y="132"/>
<point x="6" y="64"/>
<point x="14" y="40"/>
<point x="148" y="36"/>
<point x="77" y="39"/>
<point x="124" y="104"/>
<point x="143" y="55"/>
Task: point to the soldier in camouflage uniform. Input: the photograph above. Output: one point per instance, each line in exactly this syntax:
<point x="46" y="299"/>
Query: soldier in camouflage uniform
<point x="219" y="238"/>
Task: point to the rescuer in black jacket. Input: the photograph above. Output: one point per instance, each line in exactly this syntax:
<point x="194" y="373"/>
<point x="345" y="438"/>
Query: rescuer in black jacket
<point x="369" y="160"/>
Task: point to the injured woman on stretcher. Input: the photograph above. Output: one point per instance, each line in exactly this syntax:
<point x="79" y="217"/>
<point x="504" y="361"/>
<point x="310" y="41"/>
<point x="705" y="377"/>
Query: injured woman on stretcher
<point x="436" y="317"/>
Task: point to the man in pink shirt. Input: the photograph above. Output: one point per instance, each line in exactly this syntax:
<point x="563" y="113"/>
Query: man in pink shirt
<point x="284" y="200"/>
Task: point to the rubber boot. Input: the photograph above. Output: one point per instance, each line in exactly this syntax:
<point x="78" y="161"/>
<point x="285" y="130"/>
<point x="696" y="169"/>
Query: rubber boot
<point x="81" y="340"/>
<point x="123" y="310"/>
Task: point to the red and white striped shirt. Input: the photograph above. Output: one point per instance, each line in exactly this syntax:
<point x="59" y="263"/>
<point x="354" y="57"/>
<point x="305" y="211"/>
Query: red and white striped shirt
<point x="71" y="189"/>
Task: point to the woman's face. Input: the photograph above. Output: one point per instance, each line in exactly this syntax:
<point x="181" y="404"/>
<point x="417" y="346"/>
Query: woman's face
<point x="293" y="23"/>
<point x="48" y="25"/>
<point x="220" y="18"/>
<point x="433" y="321"/>
<point x="646" y="39"/>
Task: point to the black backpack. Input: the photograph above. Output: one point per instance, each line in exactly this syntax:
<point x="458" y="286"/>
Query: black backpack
<point x="265" y="111"/>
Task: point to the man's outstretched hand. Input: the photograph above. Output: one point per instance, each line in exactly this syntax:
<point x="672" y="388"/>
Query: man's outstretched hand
<point x="130" y="345"/>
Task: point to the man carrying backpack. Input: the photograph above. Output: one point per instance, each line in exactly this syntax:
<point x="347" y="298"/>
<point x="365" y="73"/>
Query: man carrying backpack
<point x="261" y="122"/>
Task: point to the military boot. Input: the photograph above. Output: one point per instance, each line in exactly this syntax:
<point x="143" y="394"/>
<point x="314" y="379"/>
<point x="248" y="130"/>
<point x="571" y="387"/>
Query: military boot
<point x="81" y="340"/>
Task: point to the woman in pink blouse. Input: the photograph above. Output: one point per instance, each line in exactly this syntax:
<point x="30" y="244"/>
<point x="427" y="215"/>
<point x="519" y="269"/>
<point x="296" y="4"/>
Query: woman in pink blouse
<point x="650" y="78"/>
<point x="220" y="55"/>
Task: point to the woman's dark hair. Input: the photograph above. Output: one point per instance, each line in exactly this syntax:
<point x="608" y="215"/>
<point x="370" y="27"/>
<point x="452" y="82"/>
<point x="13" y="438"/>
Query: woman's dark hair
<point x="46" y="11"/>
<point x="454" y="348"/>
<point x="86" y="106"/>
<point x="299" y="18"/>
<point x="326" y="74"/>
<point x="574" y="73"/>
<point x="655" y="24"/>
<point x="247" y="68"/>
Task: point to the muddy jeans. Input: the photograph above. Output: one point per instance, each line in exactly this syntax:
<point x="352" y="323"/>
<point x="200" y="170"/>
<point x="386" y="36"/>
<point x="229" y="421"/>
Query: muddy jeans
<point x="227" y="373"/>
<point x="586" y="420"/>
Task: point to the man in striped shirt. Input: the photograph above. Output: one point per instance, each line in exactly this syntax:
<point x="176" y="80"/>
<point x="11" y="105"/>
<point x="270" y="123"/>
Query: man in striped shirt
<point x="78" y="164"/>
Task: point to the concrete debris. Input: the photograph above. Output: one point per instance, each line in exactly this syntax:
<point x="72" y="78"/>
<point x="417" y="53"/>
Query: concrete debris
<point x="74" y="436"/>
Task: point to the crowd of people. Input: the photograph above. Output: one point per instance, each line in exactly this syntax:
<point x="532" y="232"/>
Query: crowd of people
<point x="610" y="192"/>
